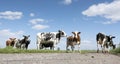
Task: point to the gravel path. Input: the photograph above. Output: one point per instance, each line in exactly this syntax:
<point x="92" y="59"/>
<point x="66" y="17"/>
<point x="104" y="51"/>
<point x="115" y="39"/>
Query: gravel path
<point x="59" y="58"/>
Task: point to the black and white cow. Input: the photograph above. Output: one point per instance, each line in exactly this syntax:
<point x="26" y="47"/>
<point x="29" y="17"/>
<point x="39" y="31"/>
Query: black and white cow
<point x="25" y="42"/>
<point x="47" y="39"/>
<point x="105" y="42"/>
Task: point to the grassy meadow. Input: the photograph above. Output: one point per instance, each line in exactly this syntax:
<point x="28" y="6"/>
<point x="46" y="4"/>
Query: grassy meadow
<point x="115" y="51"/>
<point x="13" y="50"/>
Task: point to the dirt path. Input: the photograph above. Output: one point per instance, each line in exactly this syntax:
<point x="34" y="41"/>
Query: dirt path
<point x="59" y="58"/>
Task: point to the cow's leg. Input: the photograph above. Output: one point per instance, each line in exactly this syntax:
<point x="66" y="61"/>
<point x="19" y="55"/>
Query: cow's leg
<point x="79" y="50"/>
<point x="26" y="46"/>
<point x="103" y="45"/>
<point x="97" y="48"/>
<point x="103" y="48"/>
<point x="51" y="48"/>
<point x="14" y="46"/>
<point x="54" y="46"/>
<point x="41" y="45"/>
<point x="38" y="42"/>
<point x="38" y="46"/>
<point x="23" y="46"/>
<point x="67" y="49"/>
<point x="106" y="48"/>
<point x="67" y="45"/>
<point x="72" y="47"/>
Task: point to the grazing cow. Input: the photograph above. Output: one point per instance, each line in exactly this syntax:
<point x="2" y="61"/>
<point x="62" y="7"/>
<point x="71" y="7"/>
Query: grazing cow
<point x="45" y="44"/>
<point x="25" y="42"/>
<point x="10" y="42"/>
<point x="105" y="42"/>
<point x="73" y="40"/>
<point x="47" y="39"/>
<point x="18" y="44"/>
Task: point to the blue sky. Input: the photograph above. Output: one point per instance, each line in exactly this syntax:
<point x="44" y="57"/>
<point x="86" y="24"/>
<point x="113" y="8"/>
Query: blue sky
<point x="28" y="17"/>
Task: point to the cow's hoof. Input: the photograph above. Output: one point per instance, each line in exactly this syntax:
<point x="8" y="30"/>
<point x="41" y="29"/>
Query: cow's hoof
<point x="97" y="51"/>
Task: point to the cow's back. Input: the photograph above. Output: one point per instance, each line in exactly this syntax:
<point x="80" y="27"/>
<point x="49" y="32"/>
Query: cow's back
<point x="100" y="36"/>
<point x="70" y="39"/>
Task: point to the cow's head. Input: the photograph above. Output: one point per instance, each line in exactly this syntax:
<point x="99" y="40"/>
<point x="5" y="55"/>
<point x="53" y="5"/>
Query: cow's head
<point x="114" y="46"/>
<point x="76" y="34"/>
<point x="62" y="33"/>
<point x="111" y="37"/>
<point x="26" y="37"/>
<point x="111" y="41"/>
<point x="76" y="37"/>
<point x="12" y="39"/>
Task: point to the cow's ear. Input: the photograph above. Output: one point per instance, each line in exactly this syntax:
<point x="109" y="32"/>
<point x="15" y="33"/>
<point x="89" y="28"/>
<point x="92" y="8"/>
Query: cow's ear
<point x="28" y="35"/>
<point x="23" y="35"/>
<point x="73" y="32"/>
<point x="14" y="38"/>
<point x="10" y="38"/>
<point x="113" y="36"/>
<point x="59" y="30"/>
<point x="79" y="32"/>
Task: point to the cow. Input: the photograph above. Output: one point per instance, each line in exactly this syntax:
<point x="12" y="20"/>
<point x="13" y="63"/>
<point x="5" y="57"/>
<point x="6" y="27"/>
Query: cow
<point x="46" y="44"/>
<point x="47" y="39"/>
<point x="24" y="42"/>
<point x="105" y="42"/>
<point x="73" y="40"/>
<point x="10" y="42"/>
<point x="18" y="44"/>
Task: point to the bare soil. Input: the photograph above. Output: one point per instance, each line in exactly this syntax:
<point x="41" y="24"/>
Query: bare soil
<point x="59" y="58"/>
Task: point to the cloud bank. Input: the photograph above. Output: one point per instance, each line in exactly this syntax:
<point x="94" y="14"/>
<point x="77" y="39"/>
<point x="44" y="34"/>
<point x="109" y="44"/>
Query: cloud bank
<point x="10" y="15"/>
<point x="110" y="11"/>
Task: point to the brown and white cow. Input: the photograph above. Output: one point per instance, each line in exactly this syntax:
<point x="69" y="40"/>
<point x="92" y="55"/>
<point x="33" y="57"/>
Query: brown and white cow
<point x="10" y="42"/>
<point x="73" y="40"/>
<point x="105" y="42"/>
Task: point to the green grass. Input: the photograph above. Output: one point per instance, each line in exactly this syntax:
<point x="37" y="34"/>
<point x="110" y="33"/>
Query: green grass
<point x="12" y="50"/>
<point x="116" y="51"/>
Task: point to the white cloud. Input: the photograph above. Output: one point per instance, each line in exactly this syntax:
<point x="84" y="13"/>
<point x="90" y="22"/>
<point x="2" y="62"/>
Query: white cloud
<point x="110" y="11"/>
<point x="39" y="27"/>
<point x="32" y="14"/>
<point x="109" y="22"/>
<point x="11" y="15"/>
<point x="8" y="33"/>
<point x="36" y="24"/>
<point x="67" y="2"/>
<point x="36" y="21"/>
